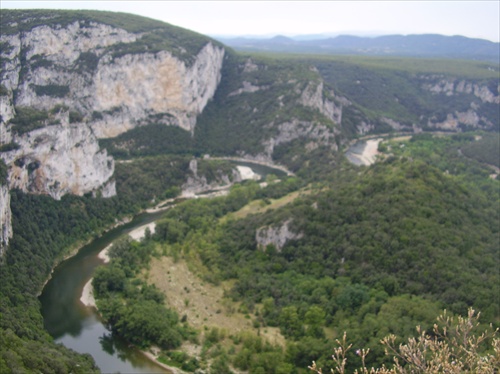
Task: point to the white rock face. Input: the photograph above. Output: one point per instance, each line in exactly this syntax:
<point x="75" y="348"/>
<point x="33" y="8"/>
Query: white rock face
<point x="74" y="67"/>
<point x="148" y="84"/>
<point x="313" y="97"/>
<point x="5" y="219"/>
<point x="248" y="87"/>
<point x="6" y="113"/>
<point x="276" y="235"/>
<point x="125" y="90"/>
<point x="247" y="173"/>
<point x="66" y="44"/>
<point x="452" y="87"/>
<point x="196" y="183"/>
<point x="59" y="159"/>
<point x="288" y="131"/>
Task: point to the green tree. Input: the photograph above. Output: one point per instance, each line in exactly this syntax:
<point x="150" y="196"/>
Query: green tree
<point x="315" y="319"/>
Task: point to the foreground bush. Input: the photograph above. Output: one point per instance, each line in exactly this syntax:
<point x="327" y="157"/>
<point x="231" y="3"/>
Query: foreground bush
<point x="453" y="346"/>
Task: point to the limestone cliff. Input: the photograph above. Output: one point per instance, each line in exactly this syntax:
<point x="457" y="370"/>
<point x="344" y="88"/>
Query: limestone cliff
<point x="60" y="159"/>
<point x="470" y="117"/>
<point x="316" y="133"/>
<point x="77" y="67"/>
<point x="303" y="109"/>
<point x="80" y="79"/>
<point x="313" y="96"/>
<point x="451" y="87"/>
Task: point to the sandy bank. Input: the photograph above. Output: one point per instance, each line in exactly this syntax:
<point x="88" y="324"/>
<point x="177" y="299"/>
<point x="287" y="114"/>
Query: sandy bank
<point x="154" y="359"/>
<point x="103" y="255"/>
<point x="87" y="297"/>
<point x="140" y="232"/>
<point x="368" y="155"/>
<point x="247" y="173"/>
<point x="371" y="151"/>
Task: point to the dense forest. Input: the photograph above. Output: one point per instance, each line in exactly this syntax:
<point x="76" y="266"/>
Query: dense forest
<point x="382" y="250"/>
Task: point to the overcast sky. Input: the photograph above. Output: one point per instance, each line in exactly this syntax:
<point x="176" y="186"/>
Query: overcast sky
<point x="476" y="19"/>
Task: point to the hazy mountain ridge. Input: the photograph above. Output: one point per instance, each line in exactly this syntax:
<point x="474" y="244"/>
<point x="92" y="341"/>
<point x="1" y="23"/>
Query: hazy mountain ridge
<point x="427" y="45"/>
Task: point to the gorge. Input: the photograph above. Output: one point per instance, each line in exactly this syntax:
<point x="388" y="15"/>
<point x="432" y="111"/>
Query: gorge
<point x="104" y="115"/>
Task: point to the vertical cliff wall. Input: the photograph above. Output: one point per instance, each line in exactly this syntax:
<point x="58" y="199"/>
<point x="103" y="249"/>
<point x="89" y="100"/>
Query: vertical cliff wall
<point x="91" y="81"/>
<point x="66" y="83"/>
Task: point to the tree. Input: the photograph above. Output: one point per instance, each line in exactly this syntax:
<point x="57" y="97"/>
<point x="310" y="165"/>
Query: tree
<point x="315" y="319"/>
<point x="290" y="323"/>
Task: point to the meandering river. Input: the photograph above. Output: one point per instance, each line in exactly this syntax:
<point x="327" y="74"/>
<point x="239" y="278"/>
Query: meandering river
<point x="79" y="327"/>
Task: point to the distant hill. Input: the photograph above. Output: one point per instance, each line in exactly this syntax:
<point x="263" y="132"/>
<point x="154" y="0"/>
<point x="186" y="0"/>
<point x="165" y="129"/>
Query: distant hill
<point x="428" y="45"/>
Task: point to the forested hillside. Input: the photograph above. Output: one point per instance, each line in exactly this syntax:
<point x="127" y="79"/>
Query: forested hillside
<point x="372" y="251"/>
<point x="297" y="260"/>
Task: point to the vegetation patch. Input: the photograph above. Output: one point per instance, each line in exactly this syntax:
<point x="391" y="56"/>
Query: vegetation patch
<point x="12" y="146"/>
<point x="75" y="117"/>
<point x="262" y="206"/>
<point x="39" y="61"/>
<point x="148" y="140"/>
<point x="28" y="119"/>
<point x="87" y="62"/>
<point x="3" y="90"/>
<point x="52" y="90"/>
<point x="486" y="149"/>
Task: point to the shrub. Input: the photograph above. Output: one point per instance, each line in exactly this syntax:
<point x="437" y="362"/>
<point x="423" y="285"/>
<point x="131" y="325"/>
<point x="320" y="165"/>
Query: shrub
<point x="28" y="119"/>
<point x="53" y="90"/>
<point x="453" y="346"/>
<point x="75" y="117"/>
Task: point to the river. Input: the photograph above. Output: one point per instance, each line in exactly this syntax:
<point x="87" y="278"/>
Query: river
<point x="77" y="327"/>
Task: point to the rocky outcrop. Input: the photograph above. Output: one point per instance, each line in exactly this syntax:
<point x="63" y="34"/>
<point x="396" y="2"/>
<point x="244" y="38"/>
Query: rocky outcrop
<point x="453" y="121"/>
<point x="196" y="183"/>
<point x="98" y="81"/>
<point x="248" y="87"/>
<point x="76" y="67"/>
<point x="6" y="114"/>
<point x="467" y="116"/>
<point x="277" y="236"/>
<point x="313" y="97"/>
<point x="316" y="135"/>
<point x="452" y="87"/>
<point x="5" y="218"/>
<point x="60" y="159"/>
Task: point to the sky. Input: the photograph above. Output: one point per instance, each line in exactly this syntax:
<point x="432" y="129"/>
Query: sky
<point x="475" y="19"/>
